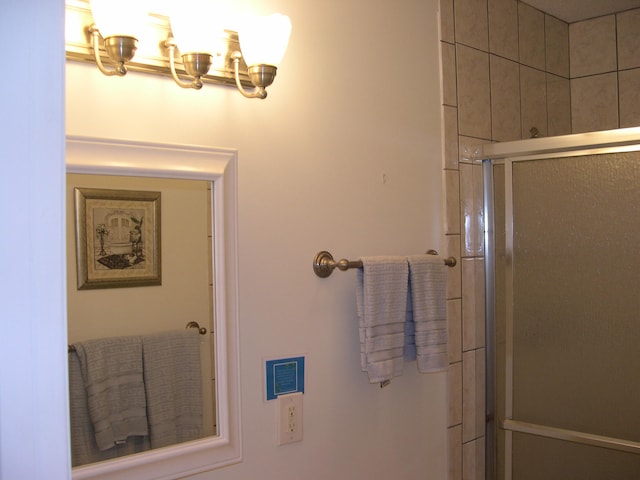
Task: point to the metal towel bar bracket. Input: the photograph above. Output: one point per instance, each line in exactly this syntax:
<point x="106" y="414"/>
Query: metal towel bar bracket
<point x="201" y="330"/>
<point x="324" y="264"/>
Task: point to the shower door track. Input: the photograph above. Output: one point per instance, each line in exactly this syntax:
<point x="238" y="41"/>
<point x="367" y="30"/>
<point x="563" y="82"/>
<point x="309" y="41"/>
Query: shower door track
<point x="507" y="153"/>
<point x="572" y="436"/>
<point x="547" y="147"/>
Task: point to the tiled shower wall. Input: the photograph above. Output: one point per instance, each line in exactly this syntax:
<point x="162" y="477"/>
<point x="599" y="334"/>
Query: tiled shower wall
<point x="508" y="68"/>
<point x="605" y="72"/>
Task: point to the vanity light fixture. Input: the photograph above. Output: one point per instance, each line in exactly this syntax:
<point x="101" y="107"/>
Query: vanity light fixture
<point x="196" y="64"/>
<point x="264" y="41"/>
<point x="193" y="32"/>
<point x="117" y="30"/>
<point x="191" y="44"/>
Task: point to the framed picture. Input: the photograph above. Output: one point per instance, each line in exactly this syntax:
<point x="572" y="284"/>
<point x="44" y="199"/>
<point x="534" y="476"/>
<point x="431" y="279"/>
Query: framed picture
<point x="117" y="238"/>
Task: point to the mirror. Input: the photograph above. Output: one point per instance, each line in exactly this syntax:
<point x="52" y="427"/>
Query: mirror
<point x="197" y="275"/>
<point x="121" y="302"/>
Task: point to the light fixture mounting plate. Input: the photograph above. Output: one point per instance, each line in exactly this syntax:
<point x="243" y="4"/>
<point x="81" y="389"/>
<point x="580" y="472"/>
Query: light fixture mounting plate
<point x="151" y="56"/>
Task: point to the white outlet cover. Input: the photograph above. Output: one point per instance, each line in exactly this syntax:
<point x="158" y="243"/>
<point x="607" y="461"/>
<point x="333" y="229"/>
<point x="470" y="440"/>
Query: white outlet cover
<point x="290" y="421"/>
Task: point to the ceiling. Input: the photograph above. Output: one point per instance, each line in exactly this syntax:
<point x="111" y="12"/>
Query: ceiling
<point x="575" y="10"/>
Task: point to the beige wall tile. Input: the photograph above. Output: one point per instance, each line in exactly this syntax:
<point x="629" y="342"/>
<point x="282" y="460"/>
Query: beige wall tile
<point x="594" y="103"/>
<point x="449" y="88"/>
<point x="505" y="100"/>
<point x="473" y="460"/>
<point x="450" y="137"/>
<point x="628" y="29"/>
<point x="454" y="379"/>
<point x="467" y="212"/>
<point x="593" y="46"/>
<point x="558" y="105"/>
<point x="446" y="21"/>
<point x="474" y="102"/>
<point x="481" y="386"/>
<point x="479" y="287"/>
<point x="533" y="100"/>
<point x="452" y="190"/>
<point x="471" y="210"/>
<point x="454" y="277"/>
<point x="469" y="330"/>
<point x="531" y="36"/>
<point x="454" y="322"/>
<point x="556" y="46"/>
<point x="473" y="395"/>
<point x="469" y="148"/>
<point x="473" y="304"/>
<point x="629" y="84"/>
<point x="478" y="191"/>
<point x="455" y="452"/>
<point x="471" y="23"/>
<point x="503" y="28"/>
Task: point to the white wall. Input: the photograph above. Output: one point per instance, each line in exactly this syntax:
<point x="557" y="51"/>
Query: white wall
<point x="357" y="96"/>
<point x="33" y="418"/>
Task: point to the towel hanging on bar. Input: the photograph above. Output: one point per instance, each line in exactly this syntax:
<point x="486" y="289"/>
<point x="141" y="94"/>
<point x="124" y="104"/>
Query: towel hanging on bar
<point x="381" y="300"/>
<point x="416" y="330"/>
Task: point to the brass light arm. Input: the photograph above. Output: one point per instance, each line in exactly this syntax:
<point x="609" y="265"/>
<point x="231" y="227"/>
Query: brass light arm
<point x="119" y="49"/>
<point x="261" y="76"/>
<point x="196" y="83"/>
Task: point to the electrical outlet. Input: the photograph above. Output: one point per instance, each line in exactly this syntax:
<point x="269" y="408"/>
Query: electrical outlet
<point x="290" y="418"/>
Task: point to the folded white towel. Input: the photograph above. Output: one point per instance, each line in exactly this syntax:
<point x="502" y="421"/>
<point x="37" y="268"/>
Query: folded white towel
<point x="381" y="296"/>
<point x="174" y="386"/>
<point x="84" y="448"/>
<point x="409" y="330"/>
<point x="427" y="279"/>
<point x="112" y="374"/>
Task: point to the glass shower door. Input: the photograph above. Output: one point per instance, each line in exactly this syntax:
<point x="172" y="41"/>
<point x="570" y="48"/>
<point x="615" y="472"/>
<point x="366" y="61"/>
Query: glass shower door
<point x="567" y="310"/>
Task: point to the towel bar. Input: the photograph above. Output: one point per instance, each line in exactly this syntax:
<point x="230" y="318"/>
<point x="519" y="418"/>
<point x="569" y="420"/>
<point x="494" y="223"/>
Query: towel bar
<point x="201" y="331"/>
<point x="324" y="264"/>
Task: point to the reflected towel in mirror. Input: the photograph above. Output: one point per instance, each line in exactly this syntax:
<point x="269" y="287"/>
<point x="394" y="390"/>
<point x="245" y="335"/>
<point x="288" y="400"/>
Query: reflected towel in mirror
<point x="173" y="386"/>
<point x="111" y="369"/>
<point x="84" y="449"/>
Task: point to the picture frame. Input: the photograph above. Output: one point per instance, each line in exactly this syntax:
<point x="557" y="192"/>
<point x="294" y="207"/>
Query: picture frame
<point x="118" y="240"/>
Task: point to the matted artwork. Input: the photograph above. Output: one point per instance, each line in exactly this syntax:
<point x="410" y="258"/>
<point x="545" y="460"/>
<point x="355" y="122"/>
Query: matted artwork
<point x="117" y="238"/>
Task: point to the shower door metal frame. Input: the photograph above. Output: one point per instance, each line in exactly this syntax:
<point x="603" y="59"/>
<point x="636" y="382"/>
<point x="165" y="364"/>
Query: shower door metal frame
<point x="508" y="153"/>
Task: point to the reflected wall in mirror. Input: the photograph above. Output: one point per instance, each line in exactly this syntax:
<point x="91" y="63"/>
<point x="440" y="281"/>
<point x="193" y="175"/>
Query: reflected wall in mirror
<point x="107" y="314"/>
<point x="197" y="188"/>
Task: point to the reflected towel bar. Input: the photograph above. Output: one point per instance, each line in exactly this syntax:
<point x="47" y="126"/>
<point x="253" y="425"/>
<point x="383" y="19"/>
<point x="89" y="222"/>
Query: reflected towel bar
<point x="201" y="331"/>
<point x="324" y="264"/>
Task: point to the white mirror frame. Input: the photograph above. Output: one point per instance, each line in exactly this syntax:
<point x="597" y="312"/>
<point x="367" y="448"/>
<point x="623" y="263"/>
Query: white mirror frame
<point x="101" y="156"/>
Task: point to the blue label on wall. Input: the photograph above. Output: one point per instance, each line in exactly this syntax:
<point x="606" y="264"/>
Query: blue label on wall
<point x="285" y="375"/>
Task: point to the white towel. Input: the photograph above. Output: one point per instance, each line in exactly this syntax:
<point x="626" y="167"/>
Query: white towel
<point x="174" y="386"/>
<point x="409" y="330"/>
<point x="112" y="374"/>
<point x="427" y="279"/>
<point x="381" y="296"/>
<point x="83" y="437"/>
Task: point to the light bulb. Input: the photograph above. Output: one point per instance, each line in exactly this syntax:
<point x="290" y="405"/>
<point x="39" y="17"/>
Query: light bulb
<point x="195" y="27"/>
<point x="264" y="40"/>
<point x="119" y="17"/>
